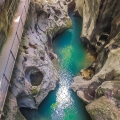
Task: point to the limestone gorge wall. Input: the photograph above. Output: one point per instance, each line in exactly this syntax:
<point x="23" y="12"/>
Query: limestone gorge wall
<point x="101" y="35"/>
<point x="35" y="71"/>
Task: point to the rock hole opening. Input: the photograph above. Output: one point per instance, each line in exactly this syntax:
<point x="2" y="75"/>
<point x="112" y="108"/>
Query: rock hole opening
<point x="103" y="37"/>
<point x="34" y="76"/>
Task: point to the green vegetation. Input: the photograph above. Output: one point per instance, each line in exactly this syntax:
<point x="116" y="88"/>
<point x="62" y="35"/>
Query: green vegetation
<point x="35" y="91"/>
<point x="100" y="92"/>
<point x="117" y="97"/>
<point x="54" y="106"/>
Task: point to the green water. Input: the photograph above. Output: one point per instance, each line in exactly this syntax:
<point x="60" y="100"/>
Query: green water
<point x="63" y="103"/>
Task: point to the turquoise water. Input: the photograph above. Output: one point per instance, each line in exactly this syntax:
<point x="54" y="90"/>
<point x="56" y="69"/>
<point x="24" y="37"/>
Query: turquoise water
<point x="63" y="103"/>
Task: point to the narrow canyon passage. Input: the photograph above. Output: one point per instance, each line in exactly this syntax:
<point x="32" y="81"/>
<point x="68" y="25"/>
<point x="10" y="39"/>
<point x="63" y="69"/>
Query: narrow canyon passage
<point x="63" y="103"/>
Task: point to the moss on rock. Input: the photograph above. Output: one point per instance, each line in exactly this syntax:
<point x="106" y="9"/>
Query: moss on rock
<point x="34" y="91"/>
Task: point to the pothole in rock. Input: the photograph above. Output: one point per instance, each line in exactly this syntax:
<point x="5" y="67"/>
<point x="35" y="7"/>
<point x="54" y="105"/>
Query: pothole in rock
<point x="34" y="76"/>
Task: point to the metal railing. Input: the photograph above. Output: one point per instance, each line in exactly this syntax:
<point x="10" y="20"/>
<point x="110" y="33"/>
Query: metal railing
<point x="5" y="80"/>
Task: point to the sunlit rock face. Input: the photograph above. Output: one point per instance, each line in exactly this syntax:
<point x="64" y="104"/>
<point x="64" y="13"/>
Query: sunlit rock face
<point x="34" y="73"/>
<point x="100" y="32"/>
<point x="79" y="6"/>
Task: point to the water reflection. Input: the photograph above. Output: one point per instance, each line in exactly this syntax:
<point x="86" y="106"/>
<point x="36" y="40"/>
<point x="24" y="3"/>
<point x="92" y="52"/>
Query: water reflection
<point x="63" y="96"/>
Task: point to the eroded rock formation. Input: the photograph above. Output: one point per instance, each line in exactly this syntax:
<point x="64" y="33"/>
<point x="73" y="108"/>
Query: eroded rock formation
<point x="101" y="32"/>
<point x="98" y="85"/>
<point x="34" y="72"/>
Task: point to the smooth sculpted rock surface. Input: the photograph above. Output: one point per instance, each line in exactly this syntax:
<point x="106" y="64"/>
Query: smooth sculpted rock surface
<point x="100" y="34"/>
<point x="34" y="72"/>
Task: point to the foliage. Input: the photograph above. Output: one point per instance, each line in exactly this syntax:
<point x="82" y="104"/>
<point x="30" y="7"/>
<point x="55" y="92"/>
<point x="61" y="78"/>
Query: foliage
<point x="34" y="91"/>
<point x="54" y="106"/>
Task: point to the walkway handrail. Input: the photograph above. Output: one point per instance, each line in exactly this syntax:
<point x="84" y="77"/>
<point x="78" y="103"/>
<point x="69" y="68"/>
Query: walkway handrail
<point x="6" y="76"/>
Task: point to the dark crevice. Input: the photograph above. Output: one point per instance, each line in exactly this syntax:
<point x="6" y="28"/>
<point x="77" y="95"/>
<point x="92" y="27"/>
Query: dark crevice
<point x="89" y="47"/>
<point x="30" y="114"/>
<point x="57" y="12"/>
<point x="107" y="29"/>
<point x="103" y="37"/>
<point x="42" y="58"/>
<point x="99" y="44"/>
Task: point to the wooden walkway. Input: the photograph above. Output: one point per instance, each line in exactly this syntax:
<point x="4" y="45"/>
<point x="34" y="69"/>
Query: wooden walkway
<point x="10" y="49"/>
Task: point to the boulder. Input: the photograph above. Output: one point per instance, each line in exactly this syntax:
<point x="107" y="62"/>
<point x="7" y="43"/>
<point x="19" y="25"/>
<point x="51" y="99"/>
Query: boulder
<point x="104" y="109"/>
